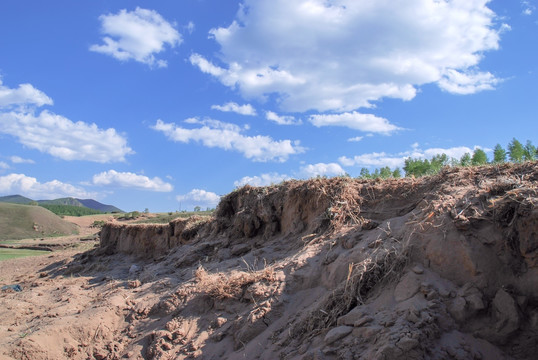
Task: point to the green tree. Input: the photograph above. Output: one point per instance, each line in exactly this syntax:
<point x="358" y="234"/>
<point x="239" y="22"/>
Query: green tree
<point x="437" y="163"/>
<point x="479" y="157"/>
<point x="465" y="160"/>
<point x="397" y="173"/>
<point x="515" y="151"/>
<point x="365" y="173"/>
<point x="385" y="172"/>
<point x="197" y="209"/>
<point x="529" y="151"/>
<point x="499" y="154"/>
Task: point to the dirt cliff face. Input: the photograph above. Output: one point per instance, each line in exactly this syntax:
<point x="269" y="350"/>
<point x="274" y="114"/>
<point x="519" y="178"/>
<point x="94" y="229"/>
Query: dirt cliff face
<point x="443" y="267"/>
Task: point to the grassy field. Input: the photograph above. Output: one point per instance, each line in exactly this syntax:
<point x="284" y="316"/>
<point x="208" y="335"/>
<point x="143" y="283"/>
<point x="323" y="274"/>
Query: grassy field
<point x="26" y="221"/>
<point x="6" y="254"/>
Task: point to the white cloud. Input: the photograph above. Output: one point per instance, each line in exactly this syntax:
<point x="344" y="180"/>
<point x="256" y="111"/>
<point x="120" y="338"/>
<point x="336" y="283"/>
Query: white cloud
<point x="137" y="35"/>
<point x="130" y="180"/>
<point x="381" y="159"/>
<point x="228" y="136"/>
<point x="467" y="83"/>
<point x="30" y="187"/>
<point x="198" y="197"/>
<point x="25" y="94"/>
<point x="3" y="165"/>
<point x="321" y="169"/>
<point x="528" y="8"/>
<point x="282" y="119"/>
<point x="63" y="138"/>
<point x="346" y="54"/>
<point x="262" y="180"/>
<point x="190" y="27"/>
<point x="246" y="109"/>
<point x="355" y="120"/>
<point x="19" y="160"/>
<point x="355" y="139"/>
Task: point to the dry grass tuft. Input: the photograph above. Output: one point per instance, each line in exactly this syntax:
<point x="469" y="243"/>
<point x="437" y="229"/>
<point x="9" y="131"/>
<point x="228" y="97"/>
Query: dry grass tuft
<point x="230" y="285"/>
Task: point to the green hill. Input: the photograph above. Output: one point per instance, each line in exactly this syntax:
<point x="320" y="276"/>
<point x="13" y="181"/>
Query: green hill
<point x="23" y="221"/>
<point x="15" y="199"/>
<point x="70" y="210"/>
<point x="62" y="201"/>
<point x="67" y="201"/>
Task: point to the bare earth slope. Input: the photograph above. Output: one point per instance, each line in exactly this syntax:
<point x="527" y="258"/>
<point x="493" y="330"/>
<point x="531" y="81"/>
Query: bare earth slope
<point x="444" y="267"/>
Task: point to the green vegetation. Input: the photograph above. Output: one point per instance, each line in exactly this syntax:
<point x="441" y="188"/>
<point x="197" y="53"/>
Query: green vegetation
<point x="165" y="218"/>
<point x="422" y="167"/>
<point x="6" y="254"/>
<point x="70" y="210"/>
<point x="383" y="173"/>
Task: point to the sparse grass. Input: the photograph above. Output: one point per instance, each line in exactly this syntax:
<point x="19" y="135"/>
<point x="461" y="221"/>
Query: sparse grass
<point x="6" y="254"/>
<point x="23" y="222"/>
<point x="165" y="218"/>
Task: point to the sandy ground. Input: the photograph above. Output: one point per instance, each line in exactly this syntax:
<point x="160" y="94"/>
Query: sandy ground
<point x="437" y="268"/>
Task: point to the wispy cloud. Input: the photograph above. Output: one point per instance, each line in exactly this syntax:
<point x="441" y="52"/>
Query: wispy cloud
<point x="214" y="133"/>
<point x="18" y="160"/>
<point x="356" y="121"/>
<point x="246" y="109"/>
<point x="282" y="119"/>
<point x="130" y="180"/>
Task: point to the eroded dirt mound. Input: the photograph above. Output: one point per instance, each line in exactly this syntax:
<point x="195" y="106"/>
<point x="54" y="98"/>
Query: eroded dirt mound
<point x="444" y="267"/>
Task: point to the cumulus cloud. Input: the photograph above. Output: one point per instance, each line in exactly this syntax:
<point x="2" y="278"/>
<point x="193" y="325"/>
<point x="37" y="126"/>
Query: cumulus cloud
<point x="18" y="160"/>
<point x="381" y="159"/>
<point x="228" y="136"/>
<point x="199" y="197"/>
<point x="30" y="187"/>
<point x="355" y="120"/>
<point x="25" y="94"/>
<point x="136" y="35"/>
<point x="3" y="165"/>
<point x="355" y="139"/>
<point x="246" y="109"/>
<point x="131" y="181"/>
<point x="346" y="54"/>
<point x="262" y="180"/>
<point x="282" y="119"/>
<point x="62" y="138"/>
<point x="321" y="169"/>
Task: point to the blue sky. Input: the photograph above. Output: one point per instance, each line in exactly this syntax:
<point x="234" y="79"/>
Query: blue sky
<point x="167" y="105"/>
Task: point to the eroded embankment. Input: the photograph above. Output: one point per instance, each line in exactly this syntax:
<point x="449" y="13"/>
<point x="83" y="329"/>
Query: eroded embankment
<point x="444" y="267"/>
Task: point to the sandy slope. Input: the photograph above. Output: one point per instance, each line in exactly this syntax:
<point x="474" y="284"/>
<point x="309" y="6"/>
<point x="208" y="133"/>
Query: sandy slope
<point x="438" y="268"/>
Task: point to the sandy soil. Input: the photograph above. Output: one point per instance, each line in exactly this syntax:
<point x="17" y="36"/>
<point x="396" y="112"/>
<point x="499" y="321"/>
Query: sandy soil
<point x="444" y="267"/>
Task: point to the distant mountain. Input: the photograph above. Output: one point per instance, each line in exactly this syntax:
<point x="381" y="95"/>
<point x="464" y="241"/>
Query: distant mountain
<point x="89" y="203"/>
<point x="92" y="204"/>
<point x="15" y="199"/>
<point x="62" y="201"/>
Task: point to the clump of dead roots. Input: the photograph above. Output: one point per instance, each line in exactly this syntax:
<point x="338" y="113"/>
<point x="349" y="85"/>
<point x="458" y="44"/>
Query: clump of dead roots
<point x="231" y="285"/>
<point x="383" y="266"/>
